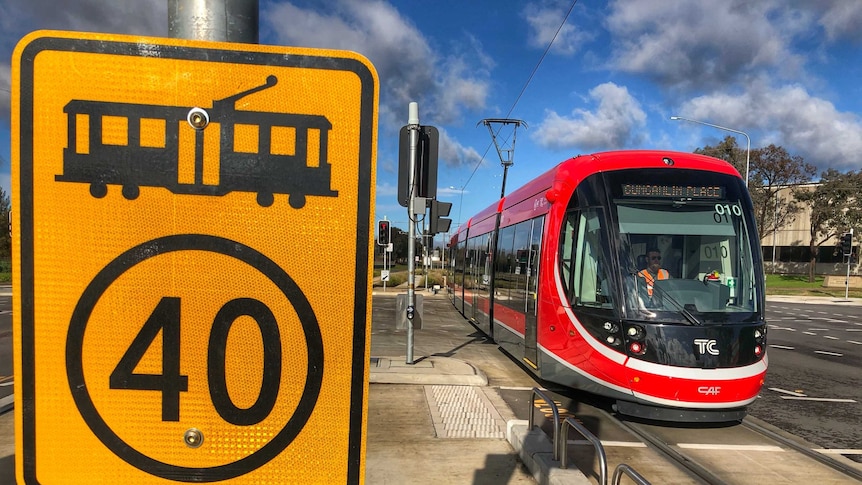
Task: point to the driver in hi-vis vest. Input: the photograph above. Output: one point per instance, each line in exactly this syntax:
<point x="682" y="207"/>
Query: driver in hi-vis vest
<point x="653" y="271"/>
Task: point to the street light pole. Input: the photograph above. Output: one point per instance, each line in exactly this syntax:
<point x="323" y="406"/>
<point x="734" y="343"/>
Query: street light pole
<point x="747" y="151"/>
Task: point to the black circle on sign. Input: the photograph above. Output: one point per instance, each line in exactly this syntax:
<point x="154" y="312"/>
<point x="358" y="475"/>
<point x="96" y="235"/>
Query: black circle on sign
<point x="193" y="242"/>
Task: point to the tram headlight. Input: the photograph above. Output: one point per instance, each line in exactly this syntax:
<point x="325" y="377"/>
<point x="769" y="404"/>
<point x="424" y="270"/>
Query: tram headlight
<point x="612" y="340"/>
<point x="610" y="327"/>
<point x="637" y="348"/>
<point x="635" y="332"/>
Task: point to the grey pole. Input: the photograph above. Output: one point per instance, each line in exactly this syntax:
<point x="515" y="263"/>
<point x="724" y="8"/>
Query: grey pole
<point x="216" y="20"/>
<point x="413" y="126"/>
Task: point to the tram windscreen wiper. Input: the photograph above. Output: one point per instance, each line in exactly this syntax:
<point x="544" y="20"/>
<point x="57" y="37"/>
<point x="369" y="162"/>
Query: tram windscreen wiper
<point x="679" y="307"/>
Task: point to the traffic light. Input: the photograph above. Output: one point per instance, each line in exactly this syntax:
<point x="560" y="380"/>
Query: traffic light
<point x="438" y="223"/>
<point x="425" y="171"/>
<point x="383" y="233"/>
<point x="847" y="243"/>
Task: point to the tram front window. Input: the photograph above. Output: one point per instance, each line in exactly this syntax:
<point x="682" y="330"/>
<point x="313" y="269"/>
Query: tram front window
<point x="705" y="256"/>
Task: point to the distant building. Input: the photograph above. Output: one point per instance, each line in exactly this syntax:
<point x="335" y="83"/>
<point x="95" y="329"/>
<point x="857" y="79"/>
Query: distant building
<point x="791" y="245"/>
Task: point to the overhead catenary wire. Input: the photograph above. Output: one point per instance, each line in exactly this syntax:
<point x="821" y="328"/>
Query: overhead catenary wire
<point x="524" y="88"/>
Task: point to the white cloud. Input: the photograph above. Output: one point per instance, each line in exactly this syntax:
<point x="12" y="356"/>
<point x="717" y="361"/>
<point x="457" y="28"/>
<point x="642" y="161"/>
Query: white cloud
<point x="684" y="44"/>
<point x="408" y="67"/>
<point x="454" y="154"/>
<point x="788" y="116"/>
<point x="841" y="19"/>
<point x="544" y="22"/>
<point x="617" y="122"/>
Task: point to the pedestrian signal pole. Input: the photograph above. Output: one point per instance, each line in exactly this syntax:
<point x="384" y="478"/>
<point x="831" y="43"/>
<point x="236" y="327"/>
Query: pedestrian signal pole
<point x="847" y="246"/>
<point x="413" y="128"/>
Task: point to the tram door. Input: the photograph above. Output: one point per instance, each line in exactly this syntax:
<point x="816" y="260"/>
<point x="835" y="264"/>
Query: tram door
<point x="472" y="277"/>
<point x="531" y="297"/>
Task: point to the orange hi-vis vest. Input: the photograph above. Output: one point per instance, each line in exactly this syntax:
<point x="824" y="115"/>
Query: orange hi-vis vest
<point x="650" y="279"/>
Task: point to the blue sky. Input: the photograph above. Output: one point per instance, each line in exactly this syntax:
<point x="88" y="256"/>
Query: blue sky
<point x="787" y="72"/>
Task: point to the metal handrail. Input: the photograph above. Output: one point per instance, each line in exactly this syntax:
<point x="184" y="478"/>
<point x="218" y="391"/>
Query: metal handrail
<point x="600" y="450"/>
<point x="537" y="392"/>
<point x="623" y="469"/>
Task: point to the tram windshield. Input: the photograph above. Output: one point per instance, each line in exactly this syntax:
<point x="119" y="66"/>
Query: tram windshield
<point x="692" y="258"/>
<point x="687" y="247"/>
<point x="688" y="250"/>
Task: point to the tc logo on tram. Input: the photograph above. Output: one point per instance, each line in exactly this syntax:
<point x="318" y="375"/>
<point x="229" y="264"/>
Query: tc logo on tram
<point x="706" y="346"/>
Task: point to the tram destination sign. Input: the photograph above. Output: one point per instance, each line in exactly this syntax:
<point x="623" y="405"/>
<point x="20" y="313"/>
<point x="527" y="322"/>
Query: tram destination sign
<point x="674" y="191"/>
<point x="177" y="202"/>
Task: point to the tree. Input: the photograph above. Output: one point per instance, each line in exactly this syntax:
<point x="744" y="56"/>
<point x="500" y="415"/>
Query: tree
<point x="727" y="150"/>
<point x="772" y="169"/>
<point x="834" y="206"/>
<point x="399" y="244"/>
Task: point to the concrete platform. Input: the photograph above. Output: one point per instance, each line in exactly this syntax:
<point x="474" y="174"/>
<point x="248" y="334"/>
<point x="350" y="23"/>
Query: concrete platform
<point x="425" y="371"/>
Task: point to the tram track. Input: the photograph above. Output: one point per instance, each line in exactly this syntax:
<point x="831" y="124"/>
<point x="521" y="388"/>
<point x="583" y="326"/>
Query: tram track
<point x="732" y="453"/>
<point x="692" y="467"/>
<point x="827" y="460"/>
<point x="722" y="460"/>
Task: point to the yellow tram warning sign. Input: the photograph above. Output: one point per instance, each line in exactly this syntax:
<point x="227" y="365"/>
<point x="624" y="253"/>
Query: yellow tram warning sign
<point x="189" y="304"/>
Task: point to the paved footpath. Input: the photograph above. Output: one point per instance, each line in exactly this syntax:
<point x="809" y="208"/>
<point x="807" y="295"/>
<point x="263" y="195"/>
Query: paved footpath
<point x="441" y="420"/>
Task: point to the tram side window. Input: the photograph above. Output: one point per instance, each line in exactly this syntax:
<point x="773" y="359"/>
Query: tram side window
<point x="460" y="263"/>
<point x="505" y="261"/>
<point x="520" y="264"/>
<point x="582" y="269"/>
<point x="479" y="270"/>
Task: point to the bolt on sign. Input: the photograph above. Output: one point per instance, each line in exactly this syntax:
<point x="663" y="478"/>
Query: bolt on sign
<point x="187" y="307"/>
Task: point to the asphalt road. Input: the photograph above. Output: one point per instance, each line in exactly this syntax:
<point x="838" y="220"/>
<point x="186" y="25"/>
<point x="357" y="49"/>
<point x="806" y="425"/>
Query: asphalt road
<point x="815" y="374"/>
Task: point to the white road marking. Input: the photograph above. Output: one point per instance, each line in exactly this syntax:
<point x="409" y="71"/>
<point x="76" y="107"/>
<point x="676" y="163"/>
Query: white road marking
<point x="823" y="352"/>
<point x="809" y="333"/>
<point x="830" y="337"/>
<point x="855" y="342"/>
<point x="838" y="451"/>
<point x="713" y="446"/>
<point x="792" y="393"/>
<point x="819" y="399"/>
<point x="621" y="444"/>
<point x="785" y="347"/>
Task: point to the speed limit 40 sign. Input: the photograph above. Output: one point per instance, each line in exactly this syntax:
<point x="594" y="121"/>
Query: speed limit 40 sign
<point x="187" y="307"/>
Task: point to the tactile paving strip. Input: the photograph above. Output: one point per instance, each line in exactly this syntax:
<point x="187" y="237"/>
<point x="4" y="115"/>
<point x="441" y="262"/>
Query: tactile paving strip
<point x="463" y="412"/>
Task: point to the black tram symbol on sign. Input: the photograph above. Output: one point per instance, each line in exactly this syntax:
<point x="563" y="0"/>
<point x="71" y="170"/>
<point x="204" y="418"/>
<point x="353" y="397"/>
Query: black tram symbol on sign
<point x="124" y="144"/>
